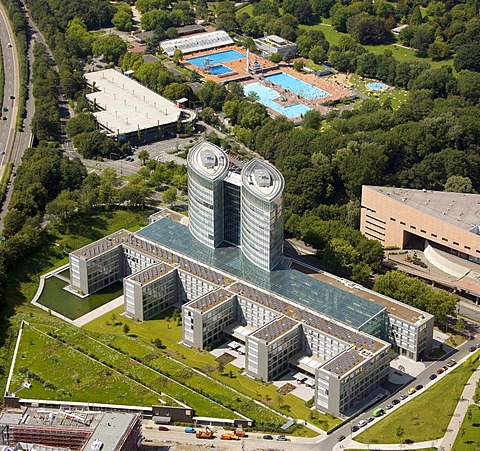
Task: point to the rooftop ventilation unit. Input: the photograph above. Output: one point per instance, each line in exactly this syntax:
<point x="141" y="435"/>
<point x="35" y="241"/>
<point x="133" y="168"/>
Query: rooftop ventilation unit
<point x="208" y="159"/>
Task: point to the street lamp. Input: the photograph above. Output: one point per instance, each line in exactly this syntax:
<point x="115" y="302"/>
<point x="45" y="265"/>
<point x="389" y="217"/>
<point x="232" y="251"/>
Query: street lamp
<point x="120" y="158"/>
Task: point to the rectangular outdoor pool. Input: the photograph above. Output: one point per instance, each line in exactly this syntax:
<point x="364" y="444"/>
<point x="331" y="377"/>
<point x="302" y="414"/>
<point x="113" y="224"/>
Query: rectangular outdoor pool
<point x="267" y="97"/>
<point x="219" y="69"/>
<point x="215" y="58"/>
<point x="297" y="86"/>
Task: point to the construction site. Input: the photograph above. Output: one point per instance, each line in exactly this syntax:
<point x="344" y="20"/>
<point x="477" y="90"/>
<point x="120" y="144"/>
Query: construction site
<point x="49" y="429"/>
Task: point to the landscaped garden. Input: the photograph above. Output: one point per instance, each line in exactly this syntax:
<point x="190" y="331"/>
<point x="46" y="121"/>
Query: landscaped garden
<point x="55" y="298"/>
<point x="427" y="416"/>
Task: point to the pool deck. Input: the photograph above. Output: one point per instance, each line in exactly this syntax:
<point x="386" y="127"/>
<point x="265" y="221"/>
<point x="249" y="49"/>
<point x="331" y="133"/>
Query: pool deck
<point x="239" y="73"/>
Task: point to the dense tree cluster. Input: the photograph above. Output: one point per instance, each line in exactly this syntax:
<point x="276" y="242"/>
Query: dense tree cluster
<point x="46" y="119"/>
<point x="417" y="293"/>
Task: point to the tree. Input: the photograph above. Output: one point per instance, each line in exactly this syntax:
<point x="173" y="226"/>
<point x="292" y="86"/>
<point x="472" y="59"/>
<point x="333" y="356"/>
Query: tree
<point x="400" y="432"/>
<point x="63" y="207"/>
<point x="317" y="54"/>
<point x="126" y="328"/>
<point x="158" y="343"/>
<point x="468" y="57"/>
<point x="111" y="47"/>
<point x="459" y="184"/>
<point x="368" y="29"/>
<point x="143" y="156"/>
<point x="170" y="195"/>
<point x="177" y="56"/>
<point x="122" y="20"/>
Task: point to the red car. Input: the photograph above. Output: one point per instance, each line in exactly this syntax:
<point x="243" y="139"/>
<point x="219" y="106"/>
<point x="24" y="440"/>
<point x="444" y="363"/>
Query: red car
<point x="163" y="428"/>
<point x="440" y="371"/>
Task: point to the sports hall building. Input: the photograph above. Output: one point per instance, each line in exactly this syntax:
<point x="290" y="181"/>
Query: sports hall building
<point x="447" y="224"/>
<point x="284" y="315"/>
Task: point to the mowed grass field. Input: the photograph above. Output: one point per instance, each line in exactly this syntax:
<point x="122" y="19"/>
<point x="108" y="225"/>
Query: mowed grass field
<point x="427" y="416"/>
<point x="59" y="372"/>
<point x="169" y="331"/>
<point x="468" y="438"/>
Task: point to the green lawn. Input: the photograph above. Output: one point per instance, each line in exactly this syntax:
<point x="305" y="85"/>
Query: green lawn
<point x="468" y="438"/>
<point x="401" y="54"/>
<point x="165" y="328"/>
<point x="79" y="379"/>
<point x="416" y="418"/>
<point x="22" y="283"/>
<point x="67" y="304"/>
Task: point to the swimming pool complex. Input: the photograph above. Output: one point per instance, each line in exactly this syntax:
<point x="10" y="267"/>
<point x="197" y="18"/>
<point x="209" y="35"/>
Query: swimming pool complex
<point x="216" y="58"/>
<point x="267" y="97"/>
<point x="297" y="86"/>
<point x="377" y="86"/>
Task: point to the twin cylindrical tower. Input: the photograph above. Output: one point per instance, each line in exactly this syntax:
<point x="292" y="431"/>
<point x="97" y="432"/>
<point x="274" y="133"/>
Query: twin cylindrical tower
<point x="260" y="188"/>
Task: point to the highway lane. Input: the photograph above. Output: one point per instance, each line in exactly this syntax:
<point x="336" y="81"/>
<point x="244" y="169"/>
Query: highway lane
<point x="14" y="143"/>
<point x="12" y="85"/>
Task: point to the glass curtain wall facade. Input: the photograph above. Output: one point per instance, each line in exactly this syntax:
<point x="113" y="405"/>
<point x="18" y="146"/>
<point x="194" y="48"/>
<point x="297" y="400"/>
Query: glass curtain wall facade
<point x="231" y="218"/>
<point x="207" y="167"/>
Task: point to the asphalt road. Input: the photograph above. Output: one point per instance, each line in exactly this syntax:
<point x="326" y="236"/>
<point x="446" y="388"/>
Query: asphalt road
<point x="10" y="64"/>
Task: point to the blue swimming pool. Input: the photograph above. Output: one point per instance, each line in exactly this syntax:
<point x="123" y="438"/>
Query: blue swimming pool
<point x="267" y="97"/>
<point x="377" y="86"/>
<point x="297" y="86"/>
<point x="219" y="69"/>
<point x="213" y="59"/>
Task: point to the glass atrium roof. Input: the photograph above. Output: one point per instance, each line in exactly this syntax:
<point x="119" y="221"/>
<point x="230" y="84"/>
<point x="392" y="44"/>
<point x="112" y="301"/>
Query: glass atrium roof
<point x="303" y="289"/>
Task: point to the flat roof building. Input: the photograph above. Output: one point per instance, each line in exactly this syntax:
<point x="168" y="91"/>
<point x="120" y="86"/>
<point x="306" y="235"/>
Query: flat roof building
<point x="446" y="221"/>
<point x="271" y="44"/>
<point x="197" y="42"/>
<point x="71" y="429"/>
<point x="127" y="110"/>
<point x="289" y="317"/>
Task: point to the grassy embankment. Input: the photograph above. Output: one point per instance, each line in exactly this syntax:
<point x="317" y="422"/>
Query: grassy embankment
<point x="415" y="420"/>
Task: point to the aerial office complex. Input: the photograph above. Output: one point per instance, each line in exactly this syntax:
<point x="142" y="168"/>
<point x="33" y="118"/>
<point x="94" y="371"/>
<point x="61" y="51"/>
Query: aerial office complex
<point x="445" y="221"/>
<point x="231" y="280"/>
<point x="244" y="210"/>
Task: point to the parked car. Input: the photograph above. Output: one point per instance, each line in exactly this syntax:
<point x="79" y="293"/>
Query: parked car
<point x="267" y="437"/>
<point x="412" y="391"/>
<point x="9" y="44"/>
<point x="370" y="419"/>
<point x="440" y="370"/>
<point x="389" y="406"/>
<point x="445" y="367"/>
<point x="5" y="108"/>
<point x="395" y="402"/>
<point x="190" y="430"/>
<point x="282" y="438"/>
<point x="452" y="362"/>
<point x="4" y="118"/>
<point x="419" y="387"/>
<point x="432" y="377"/>
<point x="163" y="428"/>
<point x="354" y="428"/>
<point x="341" y="438"/>
<point x="403" y="396"/>
<point x="472" y="348"/>
<point x="362" y="423"/>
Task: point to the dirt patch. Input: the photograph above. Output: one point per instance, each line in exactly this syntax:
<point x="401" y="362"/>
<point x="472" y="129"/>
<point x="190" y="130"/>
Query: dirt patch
<point x="225" y="358"/>
<point x="286" y="389"/>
